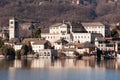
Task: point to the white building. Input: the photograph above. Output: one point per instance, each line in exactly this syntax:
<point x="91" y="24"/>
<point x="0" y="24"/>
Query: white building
<point x="104" y="44"/>
<point x="69" y="49"/>
<point x="41" y="47"/>
<point x="13" y="28"/>
<point x="56" y="32"/>
<point x="58" y="45"/>
<point x="59" y="28"/>
<point x="71" y="32"/>
<point x="97" y="27"/>
<point x="75" y="32"/>
<point x="82" y="37"/>
<point x="17" y="46"/>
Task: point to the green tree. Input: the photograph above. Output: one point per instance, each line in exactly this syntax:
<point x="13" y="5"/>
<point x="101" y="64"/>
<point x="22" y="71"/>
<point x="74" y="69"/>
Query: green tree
<point x="114" y="33"/>
<point x="8" y="51"/>
<point x="18" y="53"/>
<point x="24" y="50"/>
<point x="37" y="33"/>
<point x="1" y="42"/>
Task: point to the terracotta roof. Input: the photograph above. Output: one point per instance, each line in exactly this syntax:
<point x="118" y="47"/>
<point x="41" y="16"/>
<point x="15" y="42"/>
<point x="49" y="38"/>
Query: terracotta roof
<point x="35" y="40"/>
<point x="30" y="39"/>
<point x="69" y="49"/>
<point x="40" y="42"/>
<point x="69" y="44"/>
<point x="63" y="41"/>
<point x="86" y="45"/>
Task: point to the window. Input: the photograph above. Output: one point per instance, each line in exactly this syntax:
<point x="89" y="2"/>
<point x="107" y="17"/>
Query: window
<point x="48" y="54"/>
<point x="101" y="45"/>
<point x="44" y="53"/>
<point x="76" y="37"/>
<point x="11" y="22"/>
<point x="98" y="45"/>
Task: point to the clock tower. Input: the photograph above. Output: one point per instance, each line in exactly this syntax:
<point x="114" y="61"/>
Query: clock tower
<point x="13" y="28"/>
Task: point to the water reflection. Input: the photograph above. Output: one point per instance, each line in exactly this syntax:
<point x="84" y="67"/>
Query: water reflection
<point x="58" y="64"/>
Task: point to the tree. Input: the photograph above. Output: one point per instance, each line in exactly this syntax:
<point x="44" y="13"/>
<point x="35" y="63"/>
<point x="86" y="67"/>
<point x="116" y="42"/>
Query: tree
<point x="24" y="50"/>
<point x="1" y="42"/>
<point x="8" y="51"/>
<point x="114" y="33"/>
<point x="18" y="53"/>
<point x="37" y="33"/>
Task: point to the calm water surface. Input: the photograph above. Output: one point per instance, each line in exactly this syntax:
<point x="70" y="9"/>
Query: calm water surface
<point x="68" y="69"/>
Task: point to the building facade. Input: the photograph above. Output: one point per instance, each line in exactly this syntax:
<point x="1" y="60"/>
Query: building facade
<point x="56" y="32"/>
<point x="104" y="44"/>
<point x="97" y="27"/>
<point x="41" y="47"/>
<point x="71" y="33"/>
<point x="13" y="28"/>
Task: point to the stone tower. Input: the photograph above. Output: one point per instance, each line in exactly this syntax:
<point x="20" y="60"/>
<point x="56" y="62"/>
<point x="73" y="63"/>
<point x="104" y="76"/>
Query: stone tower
<point x="13" y="28"/>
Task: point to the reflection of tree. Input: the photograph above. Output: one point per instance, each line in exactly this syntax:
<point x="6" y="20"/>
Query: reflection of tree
<point x="26" y="63"/>
<point x="4" y="63"/>
<point x="63" y="62"/>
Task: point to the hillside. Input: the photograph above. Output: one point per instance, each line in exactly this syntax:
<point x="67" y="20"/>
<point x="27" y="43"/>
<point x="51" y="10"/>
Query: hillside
<point x="50" y="11"/>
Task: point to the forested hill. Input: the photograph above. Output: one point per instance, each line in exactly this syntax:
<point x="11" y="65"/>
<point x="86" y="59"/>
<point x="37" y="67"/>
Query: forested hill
<point x="51" y="11"/>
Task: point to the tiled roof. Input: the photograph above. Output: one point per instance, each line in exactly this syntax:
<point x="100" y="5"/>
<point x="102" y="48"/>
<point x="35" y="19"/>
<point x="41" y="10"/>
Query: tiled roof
<point x="30" y="39"/>
<point x="40" y="42"/>
<point x="92" y="23"/>
<point x="35" y="40"/>
<point x="86" y="45"/>
<point x="56" y="25"/>
<point x="61" y="41"/>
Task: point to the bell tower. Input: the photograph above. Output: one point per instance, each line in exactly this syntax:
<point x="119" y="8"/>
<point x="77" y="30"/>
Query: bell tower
<point x="13" y="28"/>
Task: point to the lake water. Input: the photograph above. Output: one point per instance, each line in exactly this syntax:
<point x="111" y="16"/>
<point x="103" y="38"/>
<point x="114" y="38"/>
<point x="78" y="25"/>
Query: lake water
<point x="67" y="69"/>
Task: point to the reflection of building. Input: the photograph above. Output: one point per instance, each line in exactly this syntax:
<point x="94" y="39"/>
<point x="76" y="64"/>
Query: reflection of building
<point x="41" y="63"/>
<point x="13" y="28"/>
<point x="17" y="64"/>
